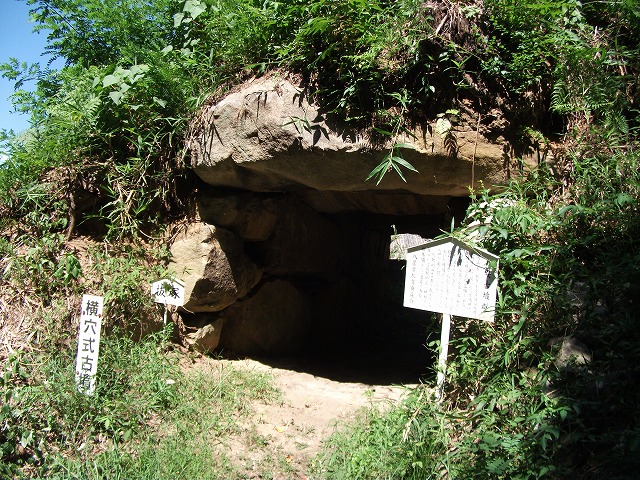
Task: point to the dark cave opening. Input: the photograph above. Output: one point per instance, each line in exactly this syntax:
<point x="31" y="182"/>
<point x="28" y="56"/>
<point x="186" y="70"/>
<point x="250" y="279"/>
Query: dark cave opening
<point x="383" y="342"/>
<point x="330" y="300"/>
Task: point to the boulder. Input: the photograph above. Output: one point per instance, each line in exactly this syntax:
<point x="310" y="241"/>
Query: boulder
<point x="269" y="136"/>
<point x="207" y="338"/>
<point x="212" y="264"/>
<point x="570" y="352"/>
<point x="273" y="321"/>
<point x="402" y="242"/>
<point x="381" y="202"/>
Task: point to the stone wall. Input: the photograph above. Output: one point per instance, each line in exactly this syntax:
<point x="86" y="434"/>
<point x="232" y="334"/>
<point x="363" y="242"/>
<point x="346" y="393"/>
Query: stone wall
<point x="278" y="294"/>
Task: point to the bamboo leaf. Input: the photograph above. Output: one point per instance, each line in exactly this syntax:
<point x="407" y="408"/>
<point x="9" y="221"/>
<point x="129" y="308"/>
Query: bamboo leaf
<point x="405" y="145"/>
<point x="398" y="171"/>
<point x="382" y="167"/>
<point x="383" y="132"/>
<point x="404" y="163"/>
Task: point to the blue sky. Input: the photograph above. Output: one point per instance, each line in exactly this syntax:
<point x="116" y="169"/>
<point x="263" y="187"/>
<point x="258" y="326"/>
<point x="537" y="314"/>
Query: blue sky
<point x="17" y="40"/>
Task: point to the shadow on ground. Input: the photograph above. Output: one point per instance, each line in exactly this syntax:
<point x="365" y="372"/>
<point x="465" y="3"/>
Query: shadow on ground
<point x="391" y="350"/>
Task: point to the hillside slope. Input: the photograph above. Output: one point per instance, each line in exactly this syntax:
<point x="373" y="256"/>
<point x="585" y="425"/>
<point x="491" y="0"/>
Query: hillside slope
<point x="92" y="192"/>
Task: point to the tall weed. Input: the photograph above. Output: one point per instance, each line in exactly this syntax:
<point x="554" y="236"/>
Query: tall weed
<point x="45" y="420"/>
<point x="387" y="442"/>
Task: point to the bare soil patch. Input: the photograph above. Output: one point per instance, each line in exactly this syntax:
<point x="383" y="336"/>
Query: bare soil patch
<point x="279" y="440"/>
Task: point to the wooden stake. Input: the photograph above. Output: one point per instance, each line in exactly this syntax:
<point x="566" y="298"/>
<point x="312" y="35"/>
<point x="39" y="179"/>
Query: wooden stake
<point x="442" y="361"/>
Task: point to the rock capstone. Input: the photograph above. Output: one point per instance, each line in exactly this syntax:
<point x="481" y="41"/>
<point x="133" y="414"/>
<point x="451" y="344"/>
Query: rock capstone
<point x="270" y="136"/>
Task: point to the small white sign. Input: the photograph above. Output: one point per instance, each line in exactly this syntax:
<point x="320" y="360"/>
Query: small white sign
<point x="88" y="343"/>
<point x="168" y="292"/>
<point x="447" y="276"/>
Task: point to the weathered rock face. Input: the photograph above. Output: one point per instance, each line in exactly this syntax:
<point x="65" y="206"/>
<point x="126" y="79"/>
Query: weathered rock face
<point x="292" y="245"/>
<point x="249" y="216"/>
<point x="269" y="137"/>
<point x="570" y="353"/>
<point x="273" y="321"/>
<point x="207" y="338"/>
<point x="212" y="263"/>
<point x="302" y="243"/>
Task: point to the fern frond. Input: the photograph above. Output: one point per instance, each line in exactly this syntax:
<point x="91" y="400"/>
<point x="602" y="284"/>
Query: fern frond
<point x="560" y="98"/>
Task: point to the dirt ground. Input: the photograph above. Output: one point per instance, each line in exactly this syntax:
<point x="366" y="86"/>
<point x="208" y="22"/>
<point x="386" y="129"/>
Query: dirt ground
<point x="322" y="390"/>
<point x="313" y="406"/>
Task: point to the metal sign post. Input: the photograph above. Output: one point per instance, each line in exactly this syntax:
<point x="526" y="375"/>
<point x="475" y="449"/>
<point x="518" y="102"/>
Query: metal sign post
<point x="450" y="277"/>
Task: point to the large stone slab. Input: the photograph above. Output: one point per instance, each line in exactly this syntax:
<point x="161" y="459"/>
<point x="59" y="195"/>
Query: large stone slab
<point x="268" y="136"/>
<point x="303" y="242"/>
<point x="273" y="321"/>
<point x="247" y="215"/>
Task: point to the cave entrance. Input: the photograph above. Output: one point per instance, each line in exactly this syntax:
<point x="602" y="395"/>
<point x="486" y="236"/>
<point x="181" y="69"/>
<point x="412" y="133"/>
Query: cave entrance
<point x="330" y="299"/>
<point x="361" y="331"/>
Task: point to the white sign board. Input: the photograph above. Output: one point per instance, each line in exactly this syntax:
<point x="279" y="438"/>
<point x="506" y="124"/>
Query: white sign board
<point x="447" y="276"/>
<point x="168" y="292"/>
<point x="88" y="343"/>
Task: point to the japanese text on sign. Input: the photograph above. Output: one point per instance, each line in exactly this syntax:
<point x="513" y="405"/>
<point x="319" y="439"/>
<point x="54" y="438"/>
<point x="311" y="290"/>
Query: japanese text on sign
<point x="447" y="276"/>
<point x="88" y="343"/>
<point x="168" y="292"/>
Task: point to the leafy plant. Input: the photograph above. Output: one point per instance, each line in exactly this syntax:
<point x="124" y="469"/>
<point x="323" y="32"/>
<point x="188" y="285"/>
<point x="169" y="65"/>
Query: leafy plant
<point x="388" y="442"/>
<point x="122" y="275"/>
<point x="394" y="159"/>
<point x="44" y="415"/>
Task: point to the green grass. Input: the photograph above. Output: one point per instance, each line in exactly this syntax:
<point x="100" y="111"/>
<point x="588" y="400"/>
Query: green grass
<point x="148" y="419"/>
<point x="402" y="441"/>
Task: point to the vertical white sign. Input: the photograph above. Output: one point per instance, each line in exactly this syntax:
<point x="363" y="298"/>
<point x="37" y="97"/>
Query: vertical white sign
<point x="88" y="343"/>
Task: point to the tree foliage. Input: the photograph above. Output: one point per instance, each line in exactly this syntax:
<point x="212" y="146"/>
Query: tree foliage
<point x="94" y="33"/>
<point x="377" y="65"/>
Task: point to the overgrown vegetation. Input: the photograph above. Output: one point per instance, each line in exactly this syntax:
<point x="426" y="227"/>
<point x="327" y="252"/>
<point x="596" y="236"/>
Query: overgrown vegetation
<point x="105" y="158"/>
<point x="513" y="409"/>
<point x="139" y="422"/>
